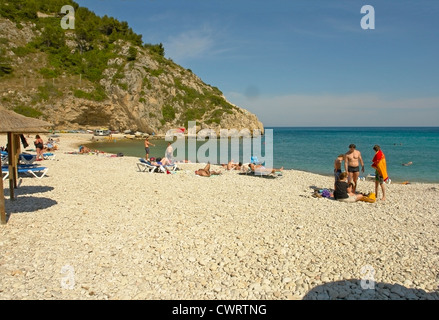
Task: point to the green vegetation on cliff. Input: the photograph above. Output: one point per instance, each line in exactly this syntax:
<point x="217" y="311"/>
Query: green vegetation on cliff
<point x="101" y="60"/>
<point x="94" y="36"/>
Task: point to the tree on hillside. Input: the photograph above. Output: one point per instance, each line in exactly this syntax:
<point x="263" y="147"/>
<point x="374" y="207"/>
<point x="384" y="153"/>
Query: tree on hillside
<point x="52" y="37"/>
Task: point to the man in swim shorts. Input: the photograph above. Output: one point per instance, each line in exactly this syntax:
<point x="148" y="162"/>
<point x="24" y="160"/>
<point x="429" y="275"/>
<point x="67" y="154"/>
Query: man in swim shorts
<point x="352" y="160"/>
<point x="147" y="144"/>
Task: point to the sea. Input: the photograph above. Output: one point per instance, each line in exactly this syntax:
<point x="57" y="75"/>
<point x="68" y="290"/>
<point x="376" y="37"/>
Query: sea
<point x="314" y="149"/>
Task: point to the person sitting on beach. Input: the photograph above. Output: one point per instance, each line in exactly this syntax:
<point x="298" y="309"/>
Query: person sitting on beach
<point x="205" y="172"/>
<point x="50" y="146"/>
<point x="344" y="192"/>
<point x="259" y="168"/>
<point x="83" y="149"/>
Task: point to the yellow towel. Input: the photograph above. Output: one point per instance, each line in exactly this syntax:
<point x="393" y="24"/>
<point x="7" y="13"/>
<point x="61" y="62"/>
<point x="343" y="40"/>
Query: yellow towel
<point x="381" y="167"/>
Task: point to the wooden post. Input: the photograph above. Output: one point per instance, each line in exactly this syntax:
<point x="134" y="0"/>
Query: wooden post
<point x="2" y="200"/>
<point x="12" y="164"/>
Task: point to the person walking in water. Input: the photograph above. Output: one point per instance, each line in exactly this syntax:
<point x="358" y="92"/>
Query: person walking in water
<point x="352" y="160"/>
<point x="147" y="144"/>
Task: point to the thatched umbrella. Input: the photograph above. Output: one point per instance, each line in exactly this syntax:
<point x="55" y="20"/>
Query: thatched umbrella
<point x="15" y="124"/>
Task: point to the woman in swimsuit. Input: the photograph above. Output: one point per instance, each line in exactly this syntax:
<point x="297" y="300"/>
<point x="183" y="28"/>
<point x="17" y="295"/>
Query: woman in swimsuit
<point x="39" y="146"/>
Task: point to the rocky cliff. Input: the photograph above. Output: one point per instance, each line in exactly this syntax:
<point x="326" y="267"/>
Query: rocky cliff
<point x="136" y="88"/>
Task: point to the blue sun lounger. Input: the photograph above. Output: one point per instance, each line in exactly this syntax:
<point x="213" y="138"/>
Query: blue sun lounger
<point x="27" y="169"/>
<point x="146" y="166"/>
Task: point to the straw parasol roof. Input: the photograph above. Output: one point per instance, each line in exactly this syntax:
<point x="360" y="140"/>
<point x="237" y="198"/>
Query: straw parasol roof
<point x="11" y="121"/>
<point x="14" y="124"/>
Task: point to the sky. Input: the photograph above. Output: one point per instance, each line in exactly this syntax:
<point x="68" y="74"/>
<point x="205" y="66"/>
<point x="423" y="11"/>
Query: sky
<point x="302" y="62"/>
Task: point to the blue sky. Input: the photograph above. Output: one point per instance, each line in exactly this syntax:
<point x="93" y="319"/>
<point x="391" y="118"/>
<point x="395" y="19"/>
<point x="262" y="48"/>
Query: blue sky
<point x="302" y="62"/>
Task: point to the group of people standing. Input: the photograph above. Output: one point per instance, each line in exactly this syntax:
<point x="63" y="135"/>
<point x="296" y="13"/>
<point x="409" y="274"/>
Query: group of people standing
<point x="346" y="182"/>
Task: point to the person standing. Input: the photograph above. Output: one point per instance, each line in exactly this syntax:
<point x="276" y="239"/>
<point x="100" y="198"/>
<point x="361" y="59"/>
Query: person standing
<point x="39" y="146"/>
<point x="147" y="144"/>
<point x="337" y="166"/>
<point x="352" y="160"/>
<point x="380" y="166"/>
<point x="169" y="153"/>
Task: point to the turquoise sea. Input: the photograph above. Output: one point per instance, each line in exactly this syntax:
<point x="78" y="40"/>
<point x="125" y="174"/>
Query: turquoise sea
<point x="314" y="149"/>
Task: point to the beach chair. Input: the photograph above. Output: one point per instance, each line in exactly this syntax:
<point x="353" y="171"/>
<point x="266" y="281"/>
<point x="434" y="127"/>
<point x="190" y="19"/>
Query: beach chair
<point x="4" y="157"/>
<point x="27" y="169"/>
<point x="146" y="166"/>
<point x="170" y="168"/>
<point x="255" y="160"/>
<point x="27" y="158"/>
<point x="49" y="156"/>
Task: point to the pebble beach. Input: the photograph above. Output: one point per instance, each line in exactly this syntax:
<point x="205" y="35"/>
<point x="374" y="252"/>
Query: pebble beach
<point x="95" y="228"/>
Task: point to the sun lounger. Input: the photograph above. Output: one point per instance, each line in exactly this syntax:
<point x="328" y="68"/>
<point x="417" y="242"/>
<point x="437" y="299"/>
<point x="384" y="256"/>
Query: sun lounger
<point x="49" y="156"/>
<point x="146" y="166"/>
<point x="27" y="158"/>
<point x="27" y="169"/>
<point x="4" y="157"/>
<point x="170" y="167"/>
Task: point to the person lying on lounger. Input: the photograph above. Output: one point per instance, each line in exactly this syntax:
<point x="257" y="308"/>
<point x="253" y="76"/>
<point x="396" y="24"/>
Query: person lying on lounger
<point x="205" y="172"/>
<point x="160" y="161"/>
<point x="232" y="166"/>
<point x="259" y="168"/>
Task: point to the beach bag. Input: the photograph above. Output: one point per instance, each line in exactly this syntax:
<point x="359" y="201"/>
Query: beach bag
<point x="326" y="193"/>
<point x="371" y="198"/>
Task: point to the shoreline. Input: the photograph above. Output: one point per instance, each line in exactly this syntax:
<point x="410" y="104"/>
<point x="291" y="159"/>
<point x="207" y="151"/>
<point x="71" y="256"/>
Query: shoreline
<point x="328" y="174"/>
<point x="74" y="140"/>
<point x="126" y="234"/>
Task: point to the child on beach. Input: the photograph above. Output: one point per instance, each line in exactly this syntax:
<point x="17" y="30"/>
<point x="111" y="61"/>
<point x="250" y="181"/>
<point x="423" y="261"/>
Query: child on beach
<point x="337" y="166"/>
<point x="343" y="192"/>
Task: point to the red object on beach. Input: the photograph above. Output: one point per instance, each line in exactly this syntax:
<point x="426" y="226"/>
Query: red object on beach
<point x="378" y="156"/>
